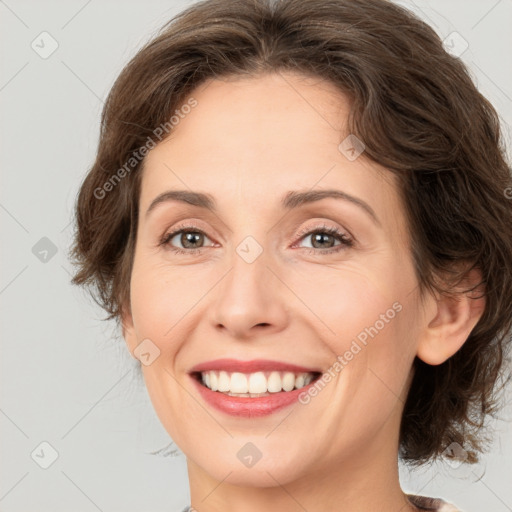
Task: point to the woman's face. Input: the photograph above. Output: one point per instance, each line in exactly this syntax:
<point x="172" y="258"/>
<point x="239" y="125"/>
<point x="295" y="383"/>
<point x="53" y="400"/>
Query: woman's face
<point x="273" y="273"/>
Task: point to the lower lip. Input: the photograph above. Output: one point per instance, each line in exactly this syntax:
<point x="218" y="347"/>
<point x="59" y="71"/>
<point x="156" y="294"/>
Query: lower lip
<point x="249" y="407"/>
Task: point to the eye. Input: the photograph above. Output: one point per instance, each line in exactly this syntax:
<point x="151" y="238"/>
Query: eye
<point x="190" y="237"/>
<point x="323" y="239"/>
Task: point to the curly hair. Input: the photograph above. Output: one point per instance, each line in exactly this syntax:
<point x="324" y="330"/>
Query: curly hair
<point x="420" y="116"/>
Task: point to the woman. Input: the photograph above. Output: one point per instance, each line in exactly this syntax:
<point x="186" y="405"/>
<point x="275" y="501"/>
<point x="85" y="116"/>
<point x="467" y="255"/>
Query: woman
<point x="236" y="144"/>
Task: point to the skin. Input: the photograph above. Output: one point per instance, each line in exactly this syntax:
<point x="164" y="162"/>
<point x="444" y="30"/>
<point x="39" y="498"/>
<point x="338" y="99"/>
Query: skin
<point x="338" y="452"/>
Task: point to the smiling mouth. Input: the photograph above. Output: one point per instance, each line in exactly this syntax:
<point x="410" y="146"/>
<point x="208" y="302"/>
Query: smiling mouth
<point x="256" y="384"/>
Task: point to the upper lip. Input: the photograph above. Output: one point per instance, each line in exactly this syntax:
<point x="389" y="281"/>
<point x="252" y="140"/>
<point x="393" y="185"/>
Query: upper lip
<point x="255" y="365"/>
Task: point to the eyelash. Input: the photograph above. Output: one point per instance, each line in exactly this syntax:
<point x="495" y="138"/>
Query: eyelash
<point x="346" y="241"/>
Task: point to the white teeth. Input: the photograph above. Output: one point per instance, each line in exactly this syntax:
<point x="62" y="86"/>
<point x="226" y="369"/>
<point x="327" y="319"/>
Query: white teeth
<point x="288" y="381"/>
<point x="213" y="381"/>
<point x="223" y="383"/>
<point x="238" y="383"/>
<point x="254" y="384"/>
<point x="257" y="383"/>
<point x="275" y="383"/>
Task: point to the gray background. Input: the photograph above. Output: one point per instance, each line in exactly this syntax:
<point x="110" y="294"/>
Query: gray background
<point x="67" y="378"/>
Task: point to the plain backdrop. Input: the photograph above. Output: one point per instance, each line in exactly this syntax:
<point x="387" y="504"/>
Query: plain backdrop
<point x="72" y="398"/>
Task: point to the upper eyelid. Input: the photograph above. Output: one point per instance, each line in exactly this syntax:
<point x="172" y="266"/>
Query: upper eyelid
<point x="308" y="231"/>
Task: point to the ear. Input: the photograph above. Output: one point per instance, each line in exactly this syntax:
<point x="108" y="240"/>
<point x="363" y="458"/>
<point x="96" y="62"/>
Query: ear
<point x="452" y="321"/>
<point x="128" y="329"/>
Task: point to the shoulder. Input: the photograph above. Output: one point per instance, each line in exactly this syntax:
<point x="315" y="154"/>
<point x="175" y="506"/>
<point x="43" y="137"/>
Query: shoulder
<point x="433" y="504"/>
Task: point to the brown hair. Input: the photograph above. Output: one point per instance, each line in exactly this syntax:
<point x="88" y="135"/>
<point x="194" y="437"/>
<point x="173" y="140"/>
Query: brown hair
<point x="419" y="114"/>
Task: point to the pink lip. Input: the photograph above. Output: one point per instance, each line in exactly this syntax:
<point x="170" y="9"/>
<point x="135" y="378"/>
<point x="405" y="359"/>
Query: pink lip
<point x="249" y="407"/>
<point x="256" y="365"/>
<point x="245" y="406"/>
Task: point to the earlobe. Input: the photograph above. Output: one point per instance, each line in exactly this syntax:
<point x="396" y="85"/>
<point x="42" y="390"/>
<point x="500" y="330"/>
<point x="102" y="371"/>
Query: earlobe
<point x="454" y="319"/>
<point x="128" y="330"/>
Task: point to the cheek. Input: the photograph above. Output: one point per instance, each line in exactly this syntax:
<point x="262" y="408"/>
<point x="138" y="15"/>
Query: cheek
<point x="366" y="315"/>
<point x="349" y="301"/>
<point x="160" y="299"/>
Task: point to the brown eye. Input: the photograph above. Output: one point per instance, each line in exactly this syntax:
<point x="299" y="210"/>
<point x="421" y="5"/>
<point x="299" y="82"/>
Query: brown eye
<point x="190" y="239"/>
<point x="321" y="240"/>
<point x="324" y="239"/>
<point x="185" y="239"/>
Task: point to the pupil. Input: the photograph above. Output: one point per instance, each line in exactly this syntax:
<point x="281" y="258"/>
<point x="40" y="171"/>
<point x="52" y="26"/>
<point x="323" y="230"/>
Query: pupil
<point x="319" y="237"/>
<point x="189" y="237"/>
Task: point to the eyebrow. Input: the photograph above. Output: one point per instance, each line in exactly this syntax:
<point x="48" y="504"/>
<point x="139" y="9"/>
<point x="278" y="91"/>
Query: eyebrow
<point x="291" y="200"/>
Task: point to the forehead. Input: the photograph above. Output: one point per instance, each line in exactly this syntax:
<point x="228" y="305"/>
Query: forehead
<point x="271" y="114"/>
<point x="256" y="138"/>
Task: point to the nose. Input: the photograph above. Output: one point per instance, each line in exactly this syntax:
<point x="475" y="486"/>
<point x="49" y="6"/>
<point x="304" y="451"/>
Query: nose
<point x="250" y="300"/>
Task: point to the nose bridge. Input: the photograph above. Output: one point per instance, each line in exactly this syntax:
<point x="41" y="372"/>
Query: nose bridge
<point x="250" y="246"/>
<point x="249" y="294"/>
<point x="249" y="275"/>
